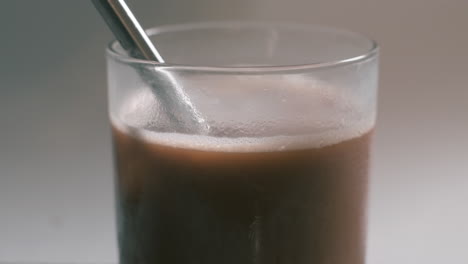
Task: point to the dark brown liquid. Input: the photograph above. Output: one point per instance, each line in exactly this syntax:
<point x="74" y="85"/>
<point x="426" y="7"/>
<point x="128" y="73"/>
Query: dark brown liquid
<point x="187" y="206"/>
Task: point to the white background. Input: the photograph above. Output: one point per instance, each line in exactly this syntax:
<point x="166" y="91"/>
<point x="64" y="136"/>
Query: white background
<point x="55" y="160"/>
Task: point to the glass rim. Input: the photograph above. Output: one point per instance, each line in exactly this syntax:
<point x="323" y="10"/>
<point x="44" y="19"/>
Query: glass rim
<point x="369" y="54"/>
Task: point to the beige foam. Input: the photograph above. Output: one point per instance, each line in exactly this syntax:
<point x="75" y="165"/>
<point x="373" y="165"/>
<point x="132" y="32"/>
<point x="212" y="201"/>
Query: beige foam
<point x="343" y="120"/>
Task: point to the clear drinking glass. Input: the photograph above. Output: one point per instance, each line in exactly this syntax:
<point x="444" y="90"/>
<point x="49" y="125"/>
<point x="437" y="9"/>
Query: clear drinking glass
<point x="249" y="145"/>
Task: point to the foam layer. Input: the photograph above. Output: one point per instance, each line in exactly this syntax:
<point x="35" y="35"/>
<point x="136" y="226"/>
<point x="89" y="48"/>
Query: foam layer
<point x="279" y="114"/>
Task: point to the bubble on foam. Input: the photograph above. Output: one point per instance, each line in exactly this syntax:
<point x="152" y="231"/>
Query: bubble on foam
<point x="279" y="113"/>
<point x="244" y="144"/>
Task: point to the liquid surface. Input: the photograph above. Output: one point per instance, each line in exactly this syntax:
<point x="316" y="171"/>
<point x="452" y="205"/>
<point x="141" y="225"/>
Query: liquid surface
<point x="265" y="114"/>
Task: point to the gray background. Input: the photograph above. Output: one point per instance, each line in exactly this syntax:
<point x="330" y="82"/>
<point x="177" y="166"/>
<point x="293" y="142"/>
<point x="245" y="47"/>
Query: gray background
<point x="55" y="160"/>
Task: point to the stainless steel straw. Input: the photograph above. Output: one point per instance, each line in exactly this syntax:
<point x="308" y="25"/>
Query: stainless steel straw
<point x="184" y="116"/>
